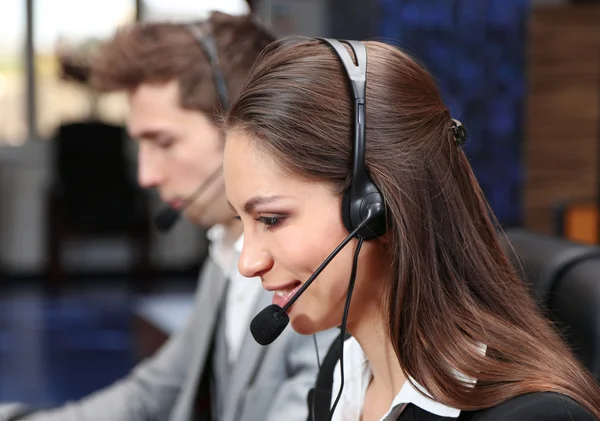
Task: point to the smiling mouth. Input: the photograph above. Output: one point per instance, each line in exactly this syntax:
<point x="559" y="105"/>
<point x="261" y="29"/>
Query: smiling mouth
<point x="283" y="296"/>
<point x="288" y="288"/>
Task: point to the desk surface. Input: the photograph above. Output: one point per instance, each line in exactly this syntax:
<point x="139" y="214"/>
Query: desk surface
<point x="168" y="312"/>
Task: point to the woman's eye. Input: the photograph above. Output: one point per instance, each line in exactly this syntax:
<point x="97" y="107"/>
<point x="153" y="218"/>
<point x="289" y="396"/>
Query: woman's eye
<point x="270" y="221"/>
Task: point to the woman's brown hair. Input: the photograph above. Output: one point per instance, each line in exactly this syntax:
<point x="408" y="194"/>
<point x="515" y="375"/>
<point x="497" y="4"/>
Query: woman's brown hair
<point x="452" y="287"/>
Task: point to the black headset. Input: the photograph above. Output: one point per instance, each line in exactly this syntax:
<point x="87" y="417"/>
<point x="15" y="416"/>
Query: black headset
<point x="363" y="196"/>
<point x="209" y="46"/>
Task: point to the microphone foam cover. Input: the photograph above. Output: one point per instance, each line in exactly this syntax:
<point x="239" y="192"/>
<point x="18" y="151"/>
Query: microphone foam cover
<point x="268" y="324"/>
<point x="166" y="218"/>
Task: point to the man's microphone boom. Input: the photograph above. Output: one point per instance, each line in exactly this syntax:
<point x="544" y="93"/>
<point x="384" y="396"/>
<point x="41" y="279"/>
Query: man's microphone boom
<point x="167" y="217"/>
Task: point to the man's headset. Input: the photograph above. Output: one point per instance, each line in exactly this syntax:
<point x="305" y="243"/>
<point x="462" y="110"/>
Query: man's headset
<point x="166" y="218"/>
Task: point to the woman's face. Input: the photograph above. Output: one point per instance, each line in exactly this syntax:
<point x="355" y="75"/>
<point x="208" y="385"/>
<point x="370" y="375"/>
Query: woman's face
<point x="291" y="225"/>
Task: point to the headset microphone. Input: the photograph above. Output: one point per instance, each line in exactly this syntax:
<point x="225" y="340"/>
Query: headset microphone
<point x="271" y="321"/>
<point x="166" y="218"/>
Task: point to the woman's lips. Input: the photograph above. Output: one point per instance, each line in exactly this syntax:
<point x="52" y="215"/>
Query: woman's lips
<point x="282" y="297"/>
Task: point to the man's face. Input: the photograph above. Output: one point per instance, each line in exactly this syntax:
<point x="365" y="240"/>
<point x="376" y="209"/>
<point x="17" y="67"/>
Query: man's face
<point x="179" y="149"/>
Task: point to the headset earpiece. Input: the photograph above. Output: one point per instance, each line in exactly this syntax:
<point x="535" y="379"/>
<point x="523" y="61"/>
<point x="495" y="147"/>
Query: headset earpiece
<point x="363" y="198"/>
<point x="373" y="203"/>
<point x="209" y="46"/>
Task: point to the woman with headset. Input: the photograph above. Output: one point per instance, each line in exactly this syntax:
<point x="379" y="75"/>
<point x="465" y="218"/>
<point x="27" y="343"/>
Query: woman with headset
<point x="441" y="326"/>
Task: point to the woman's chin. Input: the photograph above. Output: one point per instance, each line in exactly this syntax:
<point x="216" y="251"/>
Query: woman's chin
<point x="306" y="325"/>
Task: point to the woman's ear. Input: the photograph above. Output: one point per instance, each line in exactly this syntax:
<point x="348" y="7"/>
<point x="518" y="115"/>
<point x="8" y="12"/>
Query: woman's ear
<point x="386" y="238"/>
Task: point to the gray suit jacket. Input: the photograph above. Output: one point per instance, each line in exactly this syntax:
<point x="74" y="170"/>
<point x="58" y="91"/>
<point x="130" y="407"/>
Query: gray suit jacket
<point x="267" y="384"/>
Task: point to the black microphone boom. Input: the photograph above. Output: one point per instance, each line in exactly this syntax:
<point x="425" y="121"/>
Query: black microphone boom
<point x="167" y="217"/>
<point x="272" y="320"/>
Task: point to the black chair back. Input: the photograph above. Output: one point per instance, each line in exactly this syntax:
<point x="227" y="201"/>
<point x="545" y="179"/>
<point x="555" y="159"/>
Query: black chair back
<point x="93" y="177"/>
<point x="542" y="260"/>
<point x="565" y="280"/>
<point x="575" y="306"/>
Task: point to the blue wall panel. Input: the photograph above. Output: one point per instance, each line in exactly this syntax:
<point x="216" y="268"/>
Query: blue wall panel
<point x="476" y="51"/>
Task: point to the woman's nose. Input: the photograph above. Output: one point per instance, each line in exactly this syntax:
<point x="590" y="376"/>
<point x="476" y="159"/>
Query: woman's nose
<point x="254" y="260"/>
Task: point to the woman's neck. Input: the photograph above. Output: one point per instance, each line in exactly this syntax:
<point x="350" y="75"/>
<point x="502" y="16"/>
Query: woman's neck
<point x="371" y="334"/>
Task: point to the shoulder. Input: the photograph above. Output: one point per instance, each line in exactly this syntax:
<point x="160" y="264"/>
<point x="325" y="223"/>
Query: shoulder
<point x="539" y="406"/>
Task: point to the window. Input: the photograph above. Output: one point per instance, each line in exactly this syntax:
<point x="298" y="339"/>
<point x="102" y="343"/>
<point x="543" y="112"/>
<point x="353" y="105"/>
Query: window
<point x="13" y="122"/>
<point x="70" y="28"/>
<point x="190" y="9"/>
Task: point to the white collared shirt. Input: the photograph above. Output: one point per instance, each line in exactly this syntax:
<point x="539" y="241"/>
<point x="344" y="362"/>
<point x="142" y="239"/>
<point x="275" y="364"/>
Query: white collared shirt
<point x="242" y="293"/>
<point x="357" y="376"/>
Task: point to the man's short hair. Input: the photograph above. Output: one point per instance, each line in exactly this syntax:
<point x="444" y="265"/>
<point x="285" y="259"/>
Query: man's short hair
<point x="160" y="52"/>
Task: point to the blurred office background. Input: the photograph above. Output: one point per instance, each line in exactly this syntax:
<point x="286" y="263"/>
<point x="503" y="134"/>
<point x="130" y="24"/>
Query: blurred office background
<point x="82" y="303"/>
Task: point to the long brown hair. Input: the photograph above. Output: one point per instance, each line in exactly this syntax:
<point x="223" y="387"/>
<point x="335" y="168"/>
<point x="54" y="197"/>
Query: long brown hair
<point x="453" y="287"/>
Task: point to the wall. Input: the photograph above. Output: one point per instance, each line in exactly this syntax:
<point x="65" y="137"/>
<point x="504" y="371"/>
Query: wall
<point x="476" y="52"/>
<point x="563" y="111"/>
<point x="301" y="17"/>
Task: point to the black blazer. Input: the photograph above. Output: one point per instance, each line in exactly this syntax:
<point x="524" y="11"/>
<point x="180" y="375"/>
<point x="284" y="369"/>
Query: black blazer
<point x="530" y="407"/>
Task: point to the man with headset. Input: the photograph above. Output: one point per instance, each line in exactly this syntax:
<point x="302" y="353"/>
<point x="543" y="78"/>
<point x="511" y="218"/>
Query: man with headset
<point x="178" y="79"/>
